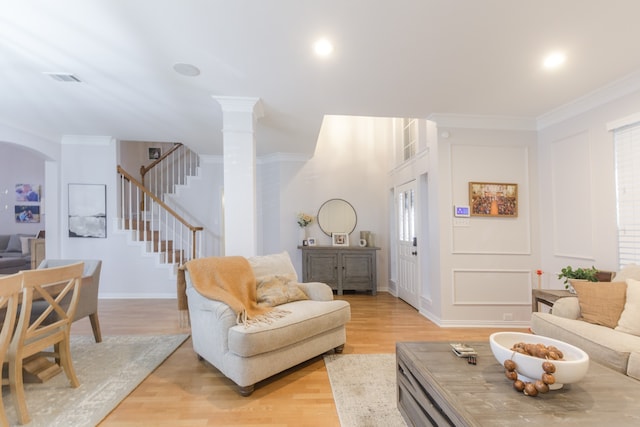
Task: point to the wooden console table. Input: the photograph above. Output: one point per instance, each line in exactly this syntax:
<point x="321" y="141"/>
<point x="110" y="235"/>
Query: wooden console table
<point x="547" y="297"/>
<point x="344" y="268"/>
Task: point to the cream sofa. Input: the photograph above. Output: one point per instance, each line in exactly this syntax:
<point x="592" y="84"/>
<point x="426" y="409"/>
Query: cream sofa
<point x="249" y="354"/>
<point x="615" y="342"/>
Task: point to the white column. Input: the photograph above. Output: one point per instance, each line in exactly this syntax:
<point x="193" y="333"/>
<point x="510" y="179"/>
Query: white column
<point x="239" y="116"/>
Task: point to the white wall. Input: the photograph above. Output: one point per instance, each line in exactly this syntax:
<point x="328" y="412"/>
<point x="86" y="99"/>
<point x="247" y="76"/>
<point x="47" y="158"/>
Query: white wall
<point x="49" y="152"/>
<point x="477" y="274"/>
<point x="487" y="264"/>
<point x="350" y="163"/>
<point x="577" y="189"/>
<point x="19" y="165"/>
<point x="126" y="273"/>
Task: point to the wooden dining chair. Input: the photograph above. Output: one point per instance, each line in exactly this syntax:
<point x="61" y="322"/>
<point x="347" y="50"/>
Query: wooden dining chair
<point x="49" y="326"/>
<point x="10" y="288"/>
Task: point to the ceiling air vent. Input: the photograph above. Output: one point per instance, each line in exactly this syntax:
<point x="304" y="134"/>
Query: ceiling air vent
<point x="64" y="77"/>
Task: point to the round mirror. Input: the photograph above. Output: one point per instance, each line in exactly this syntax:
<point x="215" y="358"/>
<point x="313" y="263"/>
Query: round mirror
<point x="336" y="216"/>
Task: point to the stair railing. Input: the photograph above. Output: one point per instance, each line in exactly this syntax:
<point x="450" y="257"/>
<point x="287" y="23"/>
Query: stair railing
<point x="158" y="225"/>
<point x="170" y="169"/>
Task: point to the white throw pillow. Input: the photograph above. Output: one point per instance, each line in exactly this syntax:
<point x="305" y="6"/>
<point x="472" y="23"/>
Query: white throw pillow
<point x="25" y="245"/>
<point x="629" y="321"/>
<point x="265" y="266"/>
<point x="14" y="244"/>
<point x="630" y="271"/>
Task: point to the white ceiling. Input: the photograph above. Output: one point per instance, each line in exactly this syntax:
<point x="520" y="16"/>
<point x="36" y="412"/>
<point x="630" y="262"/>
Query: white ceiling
<point x="400" y="58"/>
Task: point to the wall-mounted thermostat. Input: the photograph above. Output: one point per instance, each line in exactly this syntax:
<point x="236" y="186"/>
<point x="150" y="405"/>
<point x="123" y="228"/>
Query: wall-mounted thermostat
<point x="461" y="211"/>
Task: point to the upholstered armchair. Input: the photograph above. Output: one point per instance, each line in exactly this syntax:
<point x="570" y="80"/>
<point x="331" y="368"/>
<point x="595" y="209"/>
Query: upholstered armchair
<point x="249" y="353"/>
<point x="88" y="302"/>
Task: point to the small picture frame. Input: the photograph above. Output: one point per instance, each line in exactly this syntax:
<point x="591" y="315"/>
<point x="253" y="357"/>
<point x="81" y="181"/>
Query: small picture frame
<point x="340" y="239"/>
<point x="27" y="213"/>
<point x="27" y="193"/>
<point x="311" y="241"/>
<point x="155" y="153"/>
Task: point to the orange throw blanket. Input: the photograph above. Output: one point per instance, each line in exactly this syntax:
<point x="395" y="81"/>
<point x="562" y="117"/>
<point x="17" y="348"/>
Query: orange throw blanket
<point x="228" y="279"/>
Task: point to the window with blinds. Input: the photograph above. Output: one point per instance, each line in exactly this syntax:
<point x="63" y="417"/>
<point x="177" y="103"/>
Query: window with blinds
<point x="627" y="156"/>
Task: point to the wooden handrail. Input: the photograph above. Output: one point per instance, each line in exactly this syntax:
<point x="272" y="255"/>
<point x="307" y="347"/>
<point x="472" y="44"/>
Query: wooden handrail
<point x="158" y="201"/>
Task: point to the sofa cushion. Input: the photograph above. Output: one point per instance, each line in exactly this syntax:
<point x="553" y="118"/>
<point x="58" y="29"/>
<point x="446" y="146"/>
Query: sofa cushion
<point x="604" y="345"/>
<point x="630" y="318"/>
<point x="7" y="262"/>
<point x="269" y="265"/>
<point x="304" y="319"/>
<point x="25" y="242"/>
<point x="14" y="244"/>
<point x="4" y="241"/>
<point x="276" y="290"/>
<point x="600" y="302"/>
<point x="629" y="271"/>
<point x="567" y="307"/>
<point x="633" y="368"/>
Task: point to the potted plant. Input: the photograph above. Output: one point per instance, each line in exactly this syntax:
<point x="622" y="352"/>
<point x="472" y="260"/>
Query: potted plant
<point x="568" y="273"/>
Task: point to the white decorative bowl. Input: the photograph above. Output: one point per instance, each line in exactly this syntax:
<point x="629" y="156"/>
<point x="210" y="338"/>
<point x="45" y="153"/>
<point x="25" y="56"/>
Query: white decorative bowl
<point x="571" y="369"/>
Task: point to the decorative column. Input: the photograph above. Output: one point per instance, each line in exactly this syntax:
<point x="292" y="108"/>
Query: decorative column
<point x="239" y="116"/>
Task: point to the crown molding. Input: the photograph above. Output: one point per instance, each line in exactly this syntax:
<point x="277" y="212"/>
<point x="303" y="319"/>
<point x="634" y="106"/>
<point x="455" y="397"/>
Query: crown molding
<point x="608" y="93"/>
<point x="86" y="140"/>
<point x="471" y="121"/>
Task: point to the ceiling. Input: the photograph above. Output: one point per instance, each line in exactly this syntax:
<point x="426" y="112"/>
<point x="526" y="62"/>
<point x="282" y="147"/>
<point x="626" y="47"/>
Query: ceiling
<point x="401" y="58"/>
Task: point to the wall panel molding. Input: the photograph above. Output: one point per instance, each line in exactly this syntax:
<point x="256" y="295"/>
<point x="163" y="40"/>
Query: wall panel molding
<point x="572" y="198"/>
<point x="491" y="235"/>
<point x="491" y="287"/>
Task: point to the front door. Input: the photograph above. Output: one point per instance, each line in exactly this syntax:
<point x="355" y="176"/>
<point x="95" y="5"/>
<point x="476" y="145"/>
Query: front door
<point x="408" y="289"/>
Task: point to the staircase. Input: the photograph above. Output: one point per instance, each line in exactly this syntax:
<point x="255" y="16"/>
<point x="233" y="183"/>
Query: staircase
<point x="148" y="220"/>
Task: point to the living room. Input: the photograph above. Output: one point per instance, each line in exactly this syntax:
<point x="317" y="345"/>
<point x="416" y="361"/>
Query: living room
<point x="293" y="178"/>
<point x="477" y="272"/>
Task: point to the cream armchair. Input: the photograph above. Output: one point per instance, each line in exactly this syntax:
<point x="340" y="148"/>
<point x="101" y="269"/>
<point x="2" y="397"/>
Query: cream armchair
<point x="249" y="354"/>
<point x="88" y="302"/>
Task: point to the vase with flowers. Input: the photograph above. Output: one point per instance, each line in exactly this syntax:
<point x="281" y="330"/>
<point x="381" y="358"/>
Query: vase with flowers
<point x="304" y="220"/>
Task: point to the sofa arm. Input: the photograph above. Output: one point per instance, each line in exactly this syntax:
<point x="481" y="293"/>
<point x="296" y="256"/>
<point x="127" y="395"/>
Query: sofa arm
<point x="210" y="324"/>
<point x="317" y="291"/>
<point x="567" y="307"/>
<point x="198" y="302"/>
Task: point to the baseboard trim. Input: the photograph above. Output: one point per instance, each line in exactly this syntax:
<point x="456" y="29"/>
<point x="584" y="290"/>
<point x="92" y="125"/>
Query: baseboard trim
<point x="137" y="296"/>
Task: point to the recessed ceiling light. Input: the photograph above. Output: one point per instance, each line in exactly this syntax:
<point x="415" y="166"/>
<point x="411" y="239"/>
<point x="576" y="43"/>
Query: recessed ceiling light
<point x="186" y="69"/>
<point x="554" y="60"/>
<point x="323" y="47"/>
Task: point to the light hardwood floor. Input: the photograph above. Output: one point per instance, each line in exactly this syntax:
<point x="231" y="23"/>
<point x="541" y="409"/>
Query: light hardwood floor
<point x="186" y="392"/>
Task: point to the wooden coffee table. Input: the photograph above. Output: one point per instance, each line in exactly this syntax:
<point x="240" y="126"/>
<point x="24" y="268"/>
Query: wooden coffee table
<point x="437" y="388"/>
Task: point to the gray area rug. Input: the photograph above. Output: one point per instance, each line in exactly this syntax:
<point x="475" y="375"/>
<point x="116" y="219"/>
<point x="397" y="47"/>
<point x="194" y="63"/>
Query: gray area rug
<point x="107" y="372"/>
<point x="364" y="388"/>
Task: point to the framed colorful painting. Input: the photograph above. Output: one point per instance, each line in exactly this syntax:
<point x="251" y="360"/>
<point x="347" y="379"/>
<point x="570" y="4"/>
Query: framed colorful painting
<point x="493" y="199"/>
